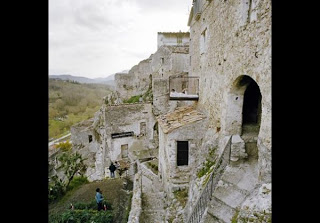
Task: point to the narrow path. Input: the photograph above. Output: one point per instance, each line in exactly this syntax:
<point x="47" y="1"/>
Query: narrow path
<point x="57" y="140"/>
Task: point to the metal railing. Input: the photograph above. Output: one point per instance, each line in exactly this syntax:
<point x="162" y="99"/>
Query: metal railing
<point x="184" y="87"/>
<point x="206" y="194"/>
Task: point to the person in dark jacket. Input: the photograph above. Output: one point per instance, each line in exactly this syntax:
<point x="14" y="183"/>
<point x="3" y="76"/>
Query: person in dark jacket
<point x="99" y="199"/>
<point x="112" y="168"/>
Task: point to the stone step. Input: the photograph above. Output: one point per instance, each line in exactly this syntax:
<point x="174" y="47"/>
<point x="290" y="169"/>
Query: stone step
<point x="244" y="175"/>
<point x="152" y="201"/>
<point x="151" y="184"/>
<point x="152" y="216"/>
<point x="230" y="194"/>
<point x="221" y="211"/>
<point x="209" y="218"/>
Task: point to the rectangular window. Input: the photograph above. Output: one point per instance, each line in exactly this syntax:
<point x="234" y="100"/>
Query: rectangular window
<point x="124" y="151"/>
<point x="182" y="153"/>
<point x="142" y="128"/>
<point x="90" y="138"/>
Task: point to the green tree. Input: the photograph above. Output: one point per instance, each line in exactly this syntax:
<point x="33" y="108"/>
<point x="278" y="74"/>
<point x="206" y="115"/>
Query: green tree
<point x="72" y="164"/>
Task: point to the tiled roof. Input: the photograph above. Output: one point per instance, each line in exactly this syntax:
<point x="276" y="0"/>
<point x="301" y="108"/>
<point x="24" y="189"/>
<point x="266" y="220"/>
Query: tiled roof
<point x="179" y="117"/>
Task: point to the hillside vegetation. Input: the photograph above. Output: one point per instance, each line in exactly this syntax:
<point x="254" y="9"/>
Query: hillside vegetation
<point x="117" y="194"/>
<point x="71" y="102"/>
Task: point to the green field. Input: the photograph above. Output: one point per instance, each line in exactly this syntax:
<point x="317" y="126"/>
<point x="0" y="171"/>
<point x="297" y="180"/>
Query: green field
<point x="72" y="102"/>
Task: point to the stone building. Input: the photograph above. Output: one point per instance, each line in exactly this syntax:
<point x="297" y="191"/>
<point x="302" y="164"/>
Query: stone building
<point x="129" y="133"/>
<point x="216" y="145"/>
<point x="135" y="82"/>
<point x="173" y="38"/>
<point x="230" y="50"/>
<point x="117" y="133"/>
<point x="180" y="134"/>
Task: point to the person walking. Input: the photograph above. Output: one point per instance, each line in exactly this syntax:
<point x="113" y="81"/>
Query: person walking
<point x="99" y="199"/>
<point x="112" y="168"/>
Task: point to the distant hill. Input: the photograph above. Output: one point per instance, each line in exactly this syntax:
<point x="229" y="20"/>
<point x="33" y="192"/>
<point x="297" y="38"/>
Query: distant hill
<point x="101" y="80"/>
<point x="71" y="102"/>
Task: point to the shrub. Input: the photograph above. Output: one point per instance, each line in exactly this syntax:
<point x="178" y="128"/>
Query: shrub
<point x="77" y="182"/>
<point x="56" y="189"/>
<point x="133" y="99"/>
<point x="65" y="146"/>
<point x="181" y="196"/>
<point x="234" y="218"/>
<point x="91" y="206"/>
<point x="207" y="165"/>
<point x="82" y="216"/>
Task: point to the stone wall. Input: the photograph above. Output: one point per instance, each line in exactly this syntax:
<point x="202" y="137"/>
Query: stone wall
<point x="166" y="61"/>
<point x="135" y="82"/>
<point x="127" y="118"/>
<point x="103" y="149"/>
<point x="173" y="176"/>
<point x="136" y="203"/>
<point x="170" y="60"/>
<point x="229" y="40"/>
<point x="93" y="151"/>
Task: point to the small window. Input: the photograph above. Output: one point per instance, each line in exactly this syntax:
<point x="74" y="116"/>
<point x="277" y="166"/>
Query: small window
<point x="182" y="153"/>
<point x="124" y="151"/>
<point x="162" y="60"/>
<point x="142" y="128"/>
<point x="90" y="138"/>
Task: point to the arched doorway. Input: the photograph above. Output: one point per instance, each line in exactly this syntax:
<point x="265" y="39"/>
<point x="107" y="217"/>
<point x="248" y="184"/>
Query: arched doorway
<point x="251" y="110"/>
<point x="243" y="107"/>
<point x="242" y="118"/>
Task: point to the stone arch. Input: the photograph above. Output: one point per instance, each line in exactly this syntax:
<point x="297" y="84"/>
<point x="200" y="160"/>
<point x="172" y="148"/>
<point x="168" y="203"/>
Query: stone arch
<point x="243" y="106"/>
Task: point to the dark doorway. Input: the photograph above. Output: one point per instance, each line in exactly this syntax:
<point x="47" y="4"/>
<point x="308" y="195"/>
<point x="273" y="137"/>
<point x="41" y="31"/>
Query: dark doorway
<point x="251" y="105"/>
<point x="90" y="138"/>
<point x="182" y="153"/>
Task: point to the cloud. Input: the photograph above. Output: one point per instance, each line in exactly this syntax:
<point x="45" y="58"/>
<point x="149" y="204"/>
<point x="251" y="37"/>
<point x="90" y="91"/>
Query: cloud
<point x="101" y="37"/>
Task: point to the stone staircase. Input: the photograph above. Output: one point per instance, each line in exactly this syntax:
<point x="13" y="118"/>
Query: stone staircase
<point x="152" y="199"/>
<point x="236" y="183"/>
<point x="153" y="208"/>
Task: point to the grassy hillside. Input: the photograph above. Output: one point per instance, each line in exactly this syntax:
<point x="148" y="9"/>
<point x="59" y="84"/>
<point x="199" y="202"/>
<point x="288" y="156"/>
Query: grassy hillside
<point x="117" y="192"/>
<point x="72" y="102"/>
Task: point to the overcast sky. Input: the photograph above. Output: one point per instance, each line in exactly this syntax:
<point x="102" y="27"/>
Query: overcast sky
<point x="97" y="38"/>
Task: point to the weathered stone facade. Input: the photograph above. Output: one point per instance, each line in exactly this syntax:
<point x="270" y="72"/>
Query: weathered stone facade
<point x="137" y="118"/>
<point x="135" y="82"/>
<point x="184" y="124"/>
<point x="167" y="61"/>
<point x="230" y="53"/>
<point x="173" y="38"/>
<point x="104" y="149"/>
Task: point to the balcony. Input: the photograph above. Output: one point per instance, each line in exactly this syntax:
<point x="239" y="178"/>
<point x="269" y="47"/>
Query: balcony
<point x="184" y="88"/>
